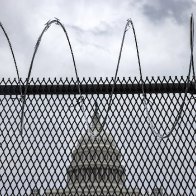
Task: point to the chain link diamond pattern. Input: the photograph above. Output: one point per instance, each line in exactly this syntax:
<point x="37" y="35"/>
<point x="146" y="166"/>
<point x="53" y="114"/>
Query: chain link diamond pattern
<point x="57" y="154"/>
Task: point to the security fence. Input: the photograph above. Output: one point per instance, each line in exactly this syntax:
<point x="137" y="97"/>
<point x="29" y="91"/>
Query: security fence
<point x="98" y="144"/>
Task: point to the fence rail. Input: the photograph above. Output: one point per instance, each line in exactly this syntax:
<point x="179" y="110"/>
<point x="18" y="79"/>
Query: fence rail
<point x="155" y="86"/>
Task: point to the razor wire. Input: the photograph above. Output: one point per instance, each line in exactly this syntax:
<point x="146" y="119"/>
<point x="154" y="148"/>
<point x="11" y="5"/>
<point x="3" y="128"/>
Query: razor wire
<point x="187" y="84"/>
<point x="80" y="99"/>
<point x="109" y="100"/>
<point x="129" y="24"/>
<point x="13" y="56"/>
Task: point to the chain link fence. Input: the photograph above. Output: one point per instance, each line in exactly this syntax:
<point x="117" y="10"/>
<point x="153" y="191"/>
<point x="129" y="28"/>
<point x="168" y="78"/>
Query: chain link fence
<point x="69" y="147"/>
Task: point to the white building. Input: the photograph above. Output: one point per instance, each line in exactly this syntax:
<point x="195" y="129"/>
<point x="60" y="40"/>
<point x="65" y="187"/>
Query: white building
<point x="96" y="167"/>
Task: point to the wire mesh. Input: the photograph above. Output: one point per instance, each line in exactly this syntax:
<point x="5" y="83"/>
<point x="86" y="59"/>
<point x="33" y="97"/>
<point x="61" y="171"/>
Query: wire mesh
<point x="58" y="154"/>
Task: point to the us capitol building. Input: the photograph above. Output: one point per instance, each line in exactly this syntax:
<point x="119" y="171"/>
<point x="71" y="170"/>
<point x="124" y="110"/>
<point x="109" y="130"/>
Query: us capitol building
<point x="96" y="167"/>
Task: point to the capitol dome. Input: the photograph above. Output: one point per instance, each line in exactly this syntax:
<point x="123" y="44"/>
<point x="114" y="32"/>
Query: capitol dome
<point x="95" y="168"/>
<point x="96" y="162"/>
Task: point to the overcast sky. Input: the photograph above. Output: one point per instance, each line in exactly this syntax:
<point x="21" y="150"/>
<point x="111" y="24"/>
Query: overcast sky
<point x="95" y="29"/>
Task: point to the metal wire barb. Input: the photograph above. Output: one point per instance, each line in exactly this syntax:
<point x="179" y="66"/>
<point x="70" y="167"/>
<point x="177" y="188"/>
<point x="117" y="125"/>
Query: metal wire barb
<point x="47" y="26"/>
<point x="145" y="99"/>
<point x="13" y="56"/>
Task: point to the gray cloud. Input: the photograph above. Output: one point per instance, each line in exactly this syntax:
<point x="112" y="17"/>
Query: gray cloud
<point x="161" y="9"/>
<point x="103" y="30"/>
